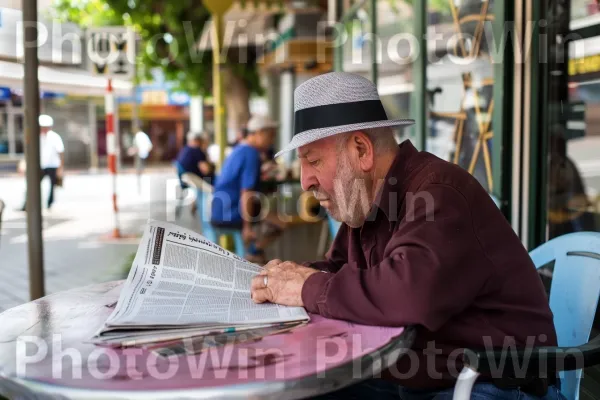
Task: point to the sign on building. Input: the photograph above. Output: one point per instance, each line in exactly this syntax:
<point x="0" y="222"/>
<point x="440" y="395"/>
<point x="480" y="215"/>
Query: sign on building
<point x="111" y="52"/>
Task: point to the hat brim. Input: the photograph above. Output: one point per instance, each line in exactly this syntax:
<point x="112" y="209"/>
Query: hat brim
<point x="313" y="135"/>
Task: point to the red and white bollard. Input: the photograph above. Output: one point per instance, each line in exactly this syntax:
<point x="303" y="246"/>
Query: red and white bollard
<point x="111" y="150"/>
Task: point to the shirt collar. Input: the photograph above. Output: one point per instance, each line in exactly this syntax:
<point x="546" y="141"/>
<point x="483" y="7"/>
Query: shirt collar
<point x="394" y="185"/>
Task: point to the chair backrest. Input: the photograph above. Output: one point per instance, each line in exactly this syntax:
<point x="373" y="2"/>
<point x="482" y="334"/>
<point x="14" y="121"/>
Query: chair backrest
<point x="574" y="293"/>
<point x="496" y="200"/>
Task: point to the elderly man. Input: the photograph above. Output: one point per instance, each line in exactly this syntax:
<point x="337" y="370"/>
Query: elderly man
<point x="421" y="244"/>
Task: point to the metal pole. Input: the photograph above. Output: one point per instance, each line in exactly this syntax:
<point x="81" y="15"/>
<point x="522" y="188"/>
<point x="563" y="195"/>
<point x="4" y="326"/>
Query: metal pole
<point x="35" y="242"/>
<point x="135" y="123"/>
<point x="374" y="53"/>
<point x="135" y="128"/>
<point x="338" y="51"/>
<point x="419" y="95"/>
<point x="218" y="100"/>
<point x="111" y="150"/>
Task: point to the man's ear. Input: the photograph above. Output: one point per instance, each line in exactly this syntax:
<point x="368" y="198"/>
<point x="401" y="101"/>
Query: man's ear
<point x="364" y="150"/>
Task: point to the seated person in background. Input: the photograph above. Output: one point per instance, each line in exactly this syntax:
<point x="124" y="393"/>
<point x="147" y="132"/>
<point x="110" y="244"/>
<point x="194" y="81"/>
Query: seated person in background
<point x="213" y="150"/>
<point x="269" y="166"/>
<point x="236" y="189"/>
<point x="192" y="158"/>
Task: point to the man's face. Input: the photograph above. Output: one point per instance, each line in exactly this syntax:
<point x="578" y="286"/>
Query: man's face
<point x="330" y="172"/>
<point x="44" y="130"/>
<point x="265" y="138"/>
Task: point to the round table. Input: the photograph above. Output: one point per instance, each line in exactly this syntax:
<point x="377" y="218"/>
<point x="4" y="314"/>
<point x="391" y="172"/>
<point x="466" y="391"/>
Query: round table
<point x="44" y="353"/>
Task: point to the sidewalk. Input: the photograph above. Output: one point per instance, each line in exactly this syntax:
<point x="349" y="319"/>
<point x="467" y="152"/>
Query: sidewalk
<point x="77" y="248"/>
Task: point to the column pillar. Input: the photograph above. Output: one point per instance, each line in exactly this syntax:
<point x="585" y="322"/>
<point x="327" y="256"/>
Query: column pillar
<point x="197" y="113"/>
<point x="287" y="111"/>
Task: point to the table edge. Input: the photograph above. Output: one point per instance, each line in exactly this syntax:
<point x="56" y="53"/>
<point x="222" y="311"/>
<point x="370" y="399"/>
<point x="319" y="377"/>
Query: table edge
<point x="290" y="389"/>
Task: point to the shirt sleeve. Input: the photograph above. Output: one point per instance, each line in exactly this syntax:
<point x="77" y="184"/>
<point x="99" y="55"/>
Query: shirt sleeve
<point x="425" y="278"/>
<point x="250" y="171"/>
<point x="58" y="143"/>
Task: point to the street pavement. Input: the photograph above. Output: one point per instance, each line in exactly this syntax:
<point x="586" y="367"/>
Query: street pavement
<point x="78" y="247"/>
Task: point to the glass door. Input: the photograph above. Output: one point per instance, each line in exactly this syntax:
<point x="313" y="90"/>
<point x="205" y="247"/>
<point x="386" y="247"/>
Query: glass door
<point x="571" y="120"/>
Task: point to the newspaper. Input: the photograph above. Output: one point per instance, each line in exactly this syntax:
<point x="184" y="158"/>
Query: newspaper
<point x="182" y="285"/>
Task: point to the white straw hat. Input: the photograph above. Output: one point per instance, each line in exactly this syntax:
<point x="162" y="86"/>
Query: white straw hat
<point x="45" y="121"/>
<point x="333" y="103"/>
<point x="259" y="122"/>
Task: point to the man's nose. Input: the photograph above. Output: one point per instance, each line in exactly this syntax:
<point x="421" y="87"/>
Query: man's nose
<point x="307" y="179"/>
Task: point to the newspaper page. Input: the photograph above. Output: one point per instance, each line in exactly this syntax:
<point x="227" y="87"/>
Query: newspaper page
<point x="180" y="279"/>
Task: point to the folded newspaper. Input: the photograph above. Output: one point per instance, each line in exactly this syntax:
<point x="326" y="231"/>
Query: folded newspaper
<point x="182" y="285"/>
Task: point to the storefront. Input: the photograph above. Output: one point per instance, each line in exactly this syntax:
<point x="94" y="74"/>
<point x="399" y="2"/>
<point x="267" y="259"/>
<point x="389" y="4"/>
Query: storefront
<point x="67" y="91"/>
<point x="510" y="91"/>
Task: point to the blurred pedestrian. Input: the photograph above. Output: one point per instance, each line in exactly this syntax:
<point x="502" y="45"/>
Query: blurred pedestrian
<point x="51" y="156"/>
<point x="143" y="146"/>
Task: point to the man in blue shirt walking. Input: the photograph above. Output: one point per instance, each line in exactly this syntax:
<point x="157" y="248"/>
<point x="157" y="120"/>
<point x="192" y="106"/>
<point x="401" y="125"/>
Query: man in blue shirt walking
<point x="236" y="188"/>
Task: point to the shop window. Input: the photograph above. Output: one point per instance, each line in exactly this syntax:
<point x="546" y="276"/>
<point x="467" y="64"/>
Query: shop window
<point x="574" y="139"/>
<point x="460" y="84"/>
<point x="396" y="51"/>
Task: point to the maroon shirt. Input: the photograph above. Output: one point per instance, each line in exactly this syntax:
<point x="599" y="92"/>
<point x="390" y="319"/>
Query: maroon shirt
<point x="435" y="253"/>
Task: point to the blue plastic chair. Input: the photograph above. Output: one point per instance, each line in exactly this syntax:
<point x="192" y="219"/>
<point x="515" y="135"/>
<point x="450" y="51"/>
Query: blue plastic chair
<point x="204" y="195"/>
<point x="574" y="293"/>
<point x="574" y="296"/>
<point x="496" y="200"/>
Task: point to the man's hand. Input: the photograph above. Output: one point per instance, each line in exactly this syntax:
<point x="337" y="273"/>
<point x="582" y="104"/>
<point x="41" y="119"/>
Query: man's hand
<point x="205" y="167"/>
<point x="284" y="283"/>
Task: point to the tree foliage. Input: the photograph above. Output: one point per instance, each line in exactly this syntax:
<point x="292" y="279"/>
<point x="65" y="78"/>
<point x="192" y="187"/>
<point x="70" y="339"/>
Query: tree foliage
<point x="169" y="31"/>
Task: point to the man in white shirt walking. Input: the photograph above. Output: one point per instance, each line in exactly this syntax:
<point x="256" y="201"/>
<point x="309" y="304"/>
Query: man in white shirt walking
<point x="143" y="146"/>
<point x="51" y="155"/>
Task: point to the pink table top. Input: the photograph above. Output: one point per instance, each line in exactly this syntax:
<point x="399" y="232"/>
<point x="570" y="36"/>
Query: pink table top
<point x="43" y="348"/>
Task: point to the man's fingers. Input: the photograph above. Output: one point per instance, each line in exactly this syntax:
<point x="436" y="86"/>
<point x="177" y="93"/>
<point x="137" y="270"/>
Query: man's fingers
<point x="273" y="263"/>
<point x="262" y="295"/>
<point x="258" y="282"/>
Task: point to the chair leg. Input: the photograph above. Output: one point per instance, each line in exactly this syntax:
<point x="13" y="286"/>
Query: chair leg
<point x="464" y="384"/>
